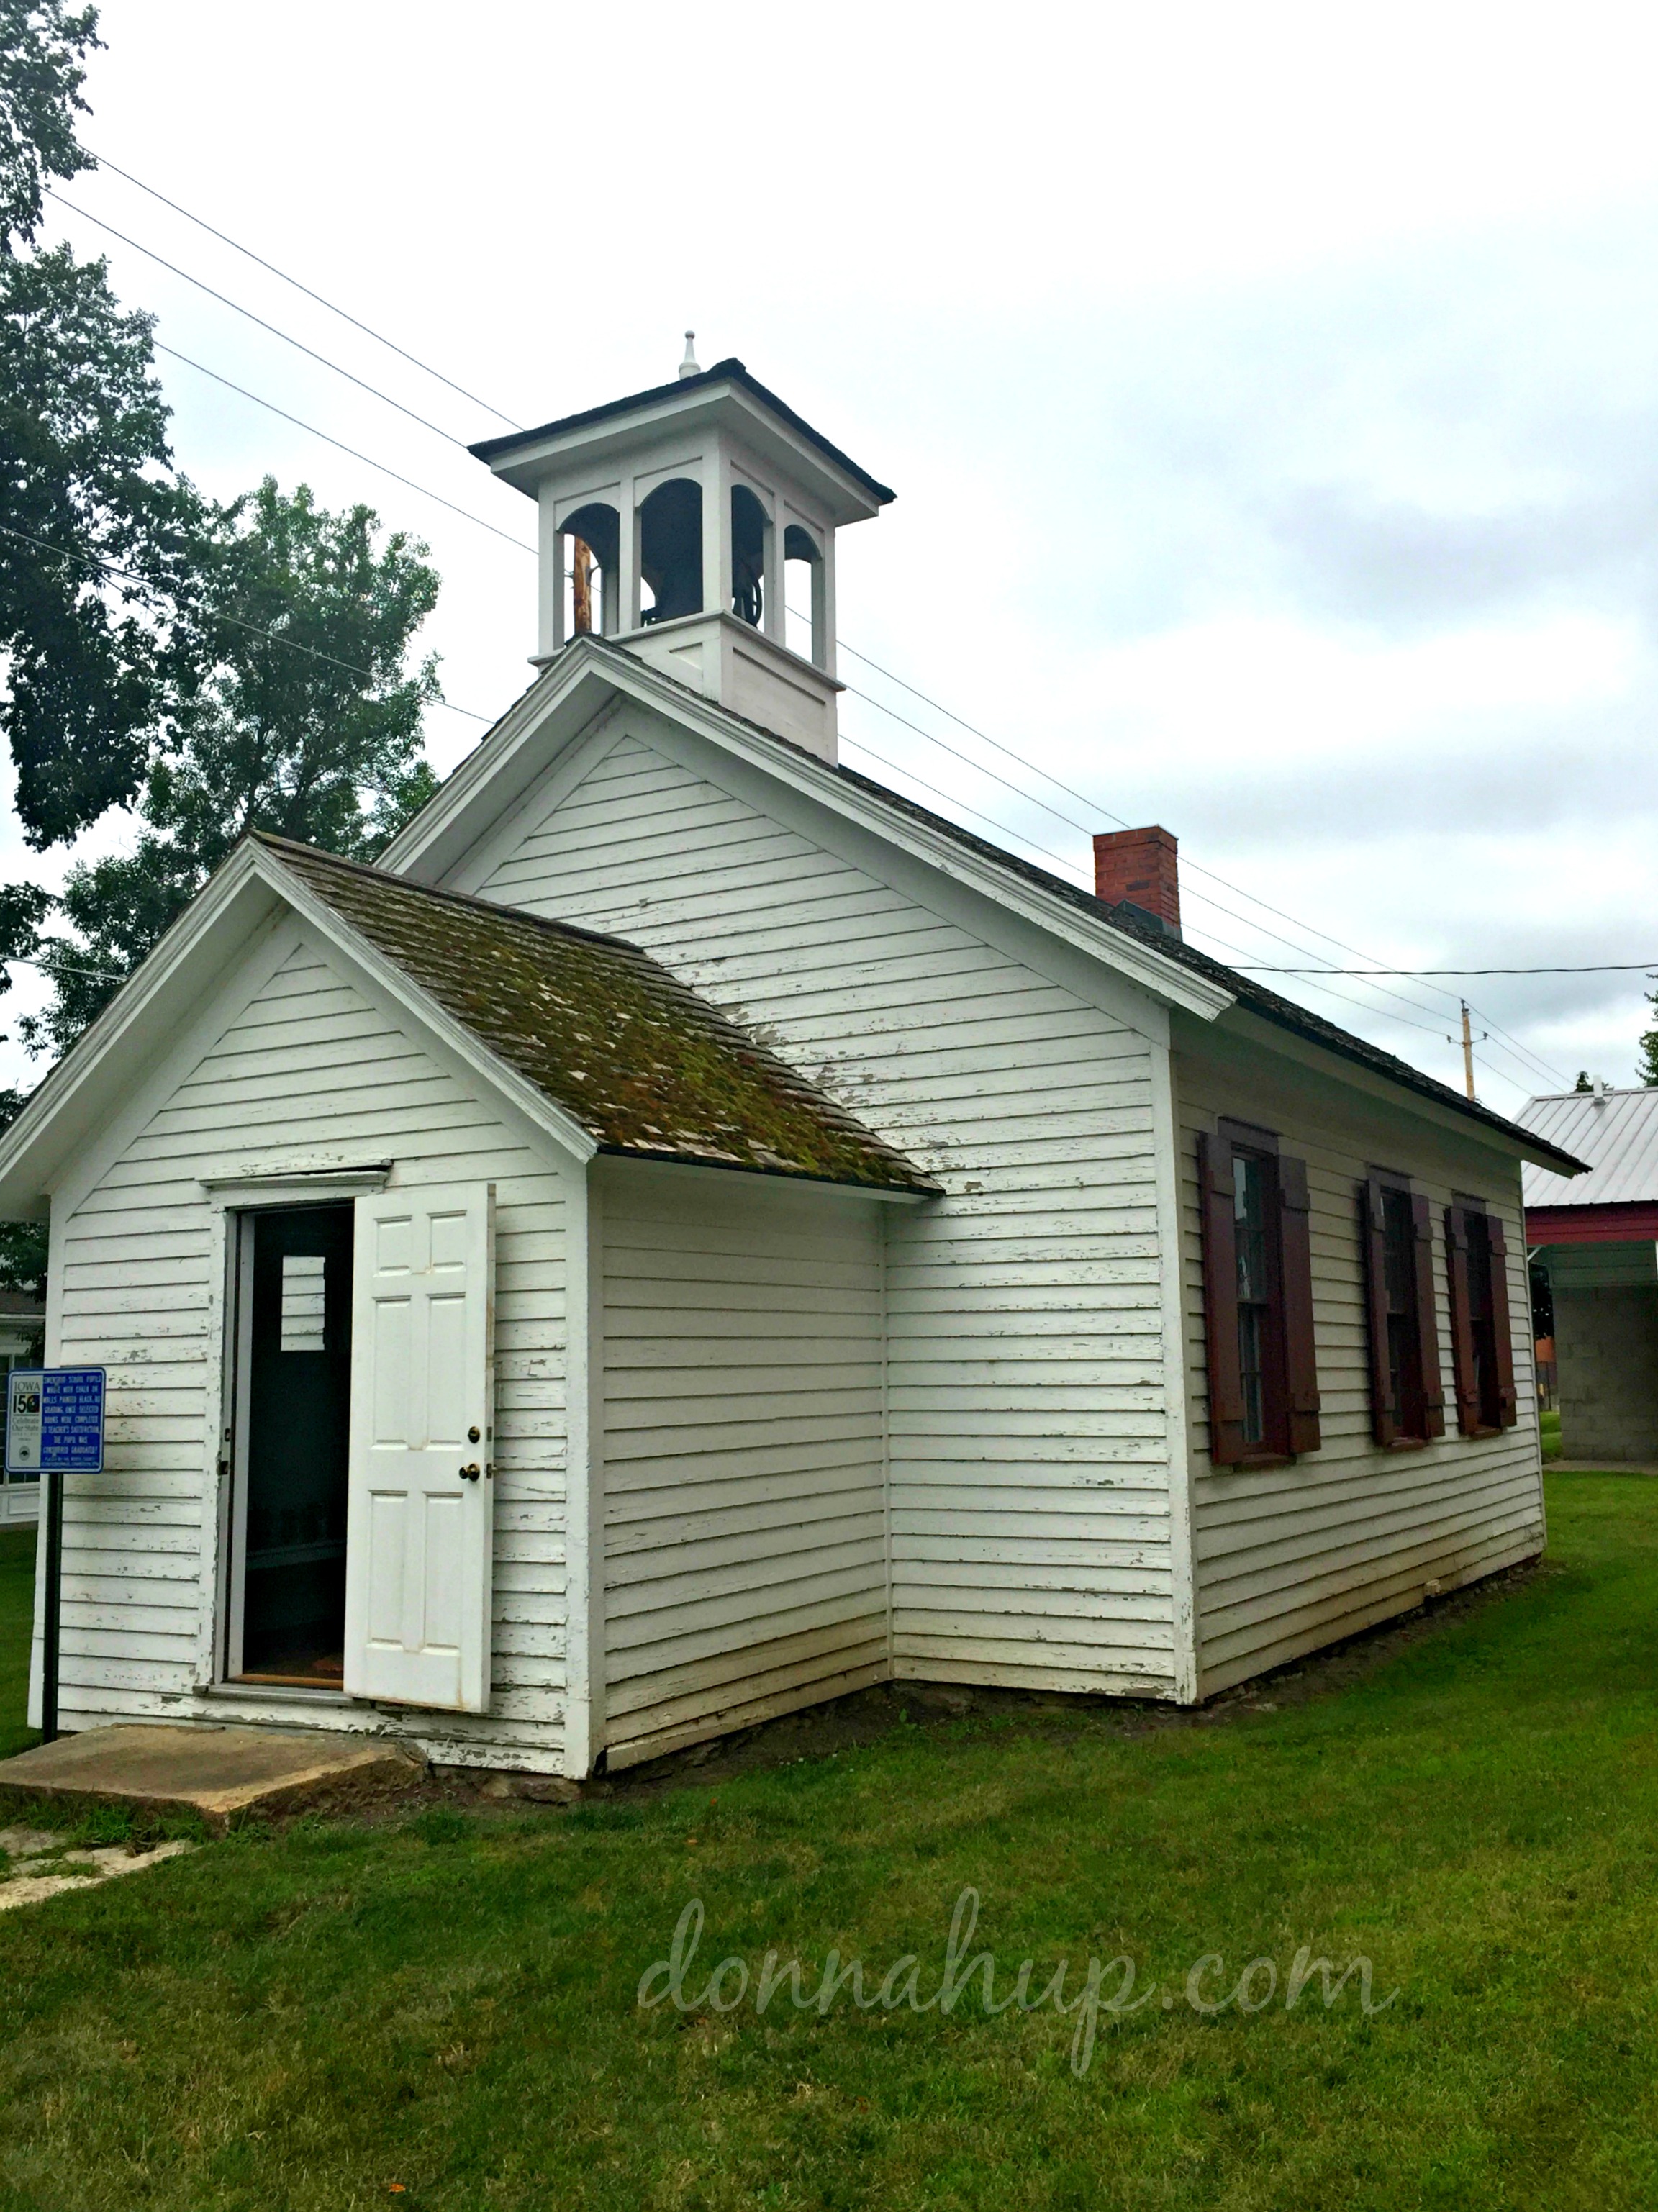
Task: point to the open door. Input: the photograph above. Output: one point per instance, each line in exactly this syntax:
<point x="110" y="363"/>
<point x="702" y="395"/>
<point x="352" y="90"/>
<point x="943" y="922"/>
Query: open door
<point x="421" y="1496"/>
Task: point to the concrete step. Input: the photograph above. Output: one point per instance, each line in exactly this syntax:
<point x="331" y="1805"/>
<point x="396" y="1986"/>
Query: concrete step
<point x="224" y="1774"/>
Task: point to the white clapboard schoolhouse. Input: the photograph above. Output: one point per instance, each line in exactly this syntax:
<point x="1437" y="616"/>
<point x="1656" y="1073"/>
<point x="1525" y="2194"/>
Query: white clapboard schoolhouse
<point x="691" y="1233"/>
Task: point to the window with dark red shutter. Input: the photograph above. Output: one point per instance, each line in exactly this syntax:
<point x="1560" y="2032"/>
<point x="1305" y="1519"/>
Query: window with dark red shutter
<point x="1508" y="1401"/>
<point x="1258" y="1298"/>
<point x="1396" y="1231"/>
<point x="1482" y="1338"/>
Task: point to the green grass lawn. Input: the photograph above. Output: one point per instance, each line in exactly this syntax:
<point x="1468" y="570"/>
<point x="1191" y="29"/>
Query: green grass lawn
<point x="16" y="1615"/>
<point x="441" y="2013"/>
<point x="1549" y="1426"/>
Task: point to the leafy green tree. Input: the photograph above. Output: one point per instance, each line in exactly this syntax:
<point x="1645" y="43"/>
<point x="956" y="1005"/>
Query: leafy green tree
<point x="22" y="1244"/>
<point x="96" y="545"/>
<point x="303" y="720"/>
<point x="1647" y="1070"/>
<point x="41" y="45"/>
<point x="95" y="530"/>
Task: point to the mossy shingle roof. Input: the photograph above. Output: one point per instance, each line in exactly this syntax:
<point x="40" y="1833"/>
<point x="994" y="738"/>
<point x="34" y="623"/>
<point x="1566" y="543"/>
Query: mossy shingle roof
<point x="645" y="1067"/>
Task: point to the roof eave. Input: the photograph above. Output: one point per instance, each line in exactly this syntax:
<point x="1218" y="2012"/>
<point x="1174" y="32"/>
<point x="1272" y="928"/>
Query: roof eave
<point x="1449" y="1110"/>
<point x="397" y="983"/>
<point x="142" y="1023"/>
<point x="901" y="1193"/>
<point x="133" y="1032"/>
<point x="441" y="833"/>
<point x="518" y="457"/>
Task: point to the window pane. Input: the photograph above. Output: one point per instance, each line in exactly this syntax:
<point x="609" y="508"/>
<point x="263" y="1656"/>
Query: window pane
<point x="1249" y="1212"/>
<point x="1249" y="1197"/>
<point x="1483" y="1330"/>
<point x="304" y="1299"/>
<point x="1404" y="1350"/>
<point x="1400" y="1244"/>
<point x="1252" y="1372"/>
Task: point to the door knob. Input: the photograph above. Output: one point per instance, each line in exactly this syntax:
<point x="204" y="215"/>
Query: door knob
<point x="471" y="1472"/>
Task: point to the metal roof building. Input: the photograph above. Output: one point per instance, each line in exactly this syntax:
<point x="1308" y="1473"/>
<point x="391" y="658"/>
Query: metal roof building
<point x="1615" y="1131"/>
<point x="1595" y="1238"/>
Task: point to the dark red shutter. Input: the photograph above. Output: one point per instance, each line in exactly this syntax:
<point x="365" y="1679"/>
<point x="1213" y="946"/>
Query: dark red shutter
<point x="1296" y="1277"/>
<point x="1462" y="1365"/>
<point x="1427" y="1318"/>
<point x="1373" y="1234"/>
<point x="1220" y="1298"/>
<point x="1507" y="1405"/>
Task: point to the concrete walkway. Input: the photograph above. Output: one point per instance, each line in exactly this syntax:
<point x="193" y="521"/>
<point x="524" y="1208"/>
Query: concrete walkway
<point x="224" y="1774"/>
<point x="38" y="1864"/>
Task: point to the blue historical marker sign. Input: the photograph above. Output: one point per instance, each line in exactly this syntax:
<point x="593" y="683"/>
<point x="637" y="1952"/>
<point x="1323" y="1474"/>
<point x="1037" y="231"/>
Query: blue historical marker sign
<point x="55" y="1420"/>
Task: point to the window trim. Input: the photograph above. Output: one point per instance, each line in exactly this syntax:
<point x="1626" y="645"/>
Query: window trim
<point x="1430" y="1409"/>
<point x="1291" y="1378"/>
<point x="1471" y="1414"/>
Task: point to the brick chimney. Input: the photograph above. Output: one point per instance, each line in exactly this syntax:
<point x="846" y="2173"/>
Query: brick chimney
<point x="1140" y="867"/>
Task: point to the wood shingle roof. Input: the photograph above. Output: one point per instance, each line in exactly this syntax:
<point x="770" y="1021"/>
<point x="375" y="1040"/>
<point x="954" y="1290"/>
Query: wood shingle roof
<point x="648" y="1068"/>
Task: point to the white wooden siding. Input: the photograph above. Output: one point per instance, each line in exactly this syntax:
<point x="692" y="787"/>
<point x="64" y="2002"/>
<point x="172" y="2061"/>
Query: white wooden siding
<point x="1292" y="1557"/>
<point x="745" y="1521"/>
<point x="308" y="1068"/>
<point x="1031" y="1497"/>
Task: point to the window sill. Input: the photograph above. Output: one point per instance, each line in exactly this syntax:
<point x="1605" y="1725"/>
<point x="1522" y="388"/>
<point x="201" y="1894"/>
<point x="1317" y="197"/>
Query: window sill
<point x="253" y="1693"/>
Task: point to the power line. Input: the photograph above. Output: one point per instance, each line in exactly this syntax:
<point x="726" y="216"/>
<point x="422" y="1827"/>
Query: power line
<point x="425" y="367"/>
<point x="880" y="707"/>
<point x="1188" y="866"/>
<point x="978" y="769"/>
<point x="1342" y="998"/>
<point x="287" y="337"/>
<point x="938" y="707"/>
<point x="63" y="968"/>
<point x="1590" y="967"/>
<point x="1516" y="1050"/>
<point x="894" y="766"/>
<point x="467" y="513"/>
<point x="950" y="799"/>
<point x="274" y="637"/>
<point x="1070" y="790"/>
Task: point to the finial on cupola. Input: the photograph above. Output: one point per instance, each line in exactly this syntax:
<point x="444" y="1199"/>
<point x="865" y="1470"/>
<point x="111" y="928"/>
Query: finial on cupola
<point x="688" y="366"/>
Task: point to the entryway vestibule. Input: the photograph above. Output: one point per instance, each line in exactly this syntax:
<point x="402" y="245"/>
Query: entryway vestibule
<point x="292" y="1433"/>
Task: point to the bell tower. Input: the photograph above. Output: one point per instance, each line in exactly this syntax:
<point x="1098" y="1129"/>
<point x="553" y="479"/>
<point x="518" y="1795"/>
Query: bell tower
<point x="695" y="524"/>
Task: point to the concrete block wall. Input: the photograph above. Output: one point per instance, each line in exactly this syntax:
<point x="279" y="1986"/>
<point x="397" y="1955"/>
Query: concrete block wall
<point x="1607" y="1349"/>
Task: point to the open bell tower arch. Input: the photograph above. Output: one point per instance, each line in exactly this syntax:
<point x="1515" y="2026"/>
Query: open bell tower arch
<point x="687" y="522"/>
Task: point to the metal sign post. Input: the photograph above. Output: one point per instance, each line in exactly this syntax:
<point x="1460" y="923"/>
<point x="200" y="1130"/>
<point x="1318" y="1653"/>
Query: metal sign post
<point x="54" y="1428"/>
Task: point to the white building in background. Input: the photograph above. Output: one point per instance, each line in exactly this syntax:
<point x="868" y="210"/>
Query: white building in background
<point x="23" y="1328"/>
<point x="692" y="1233"/>
<point x="1597" y="1239"/>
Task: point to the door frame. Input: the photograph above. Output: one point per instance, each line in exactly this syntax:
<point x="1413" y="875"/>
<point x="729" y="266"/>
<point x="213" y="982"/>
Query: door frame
<point x="236" y="1195"/>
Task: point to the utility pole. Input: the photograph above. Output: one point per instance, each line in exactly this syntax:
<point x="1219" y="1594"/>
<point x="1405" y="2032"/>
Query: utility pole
<point x="1469" y="1040"/>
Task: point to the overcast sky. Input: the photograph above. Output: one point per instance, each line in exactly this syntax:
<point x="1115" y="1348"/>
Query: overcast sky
<point x="1269" y="393"/>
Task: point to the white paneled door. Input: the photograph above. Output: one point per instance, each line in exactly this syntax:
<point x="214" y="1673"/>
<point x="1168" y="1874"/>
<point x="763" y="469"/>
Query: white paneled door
<point x="419" y="1533"/>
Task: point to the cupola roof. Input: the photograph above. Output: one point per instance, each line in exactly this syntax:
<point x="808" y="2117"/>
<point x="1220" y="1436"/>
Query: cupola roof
<point x="666" y="400"/>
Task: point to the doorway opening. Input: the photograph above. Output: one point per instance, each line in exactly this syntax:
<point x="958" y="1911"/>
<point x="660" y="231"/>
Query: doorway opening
<point x="292" y="1447"/>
